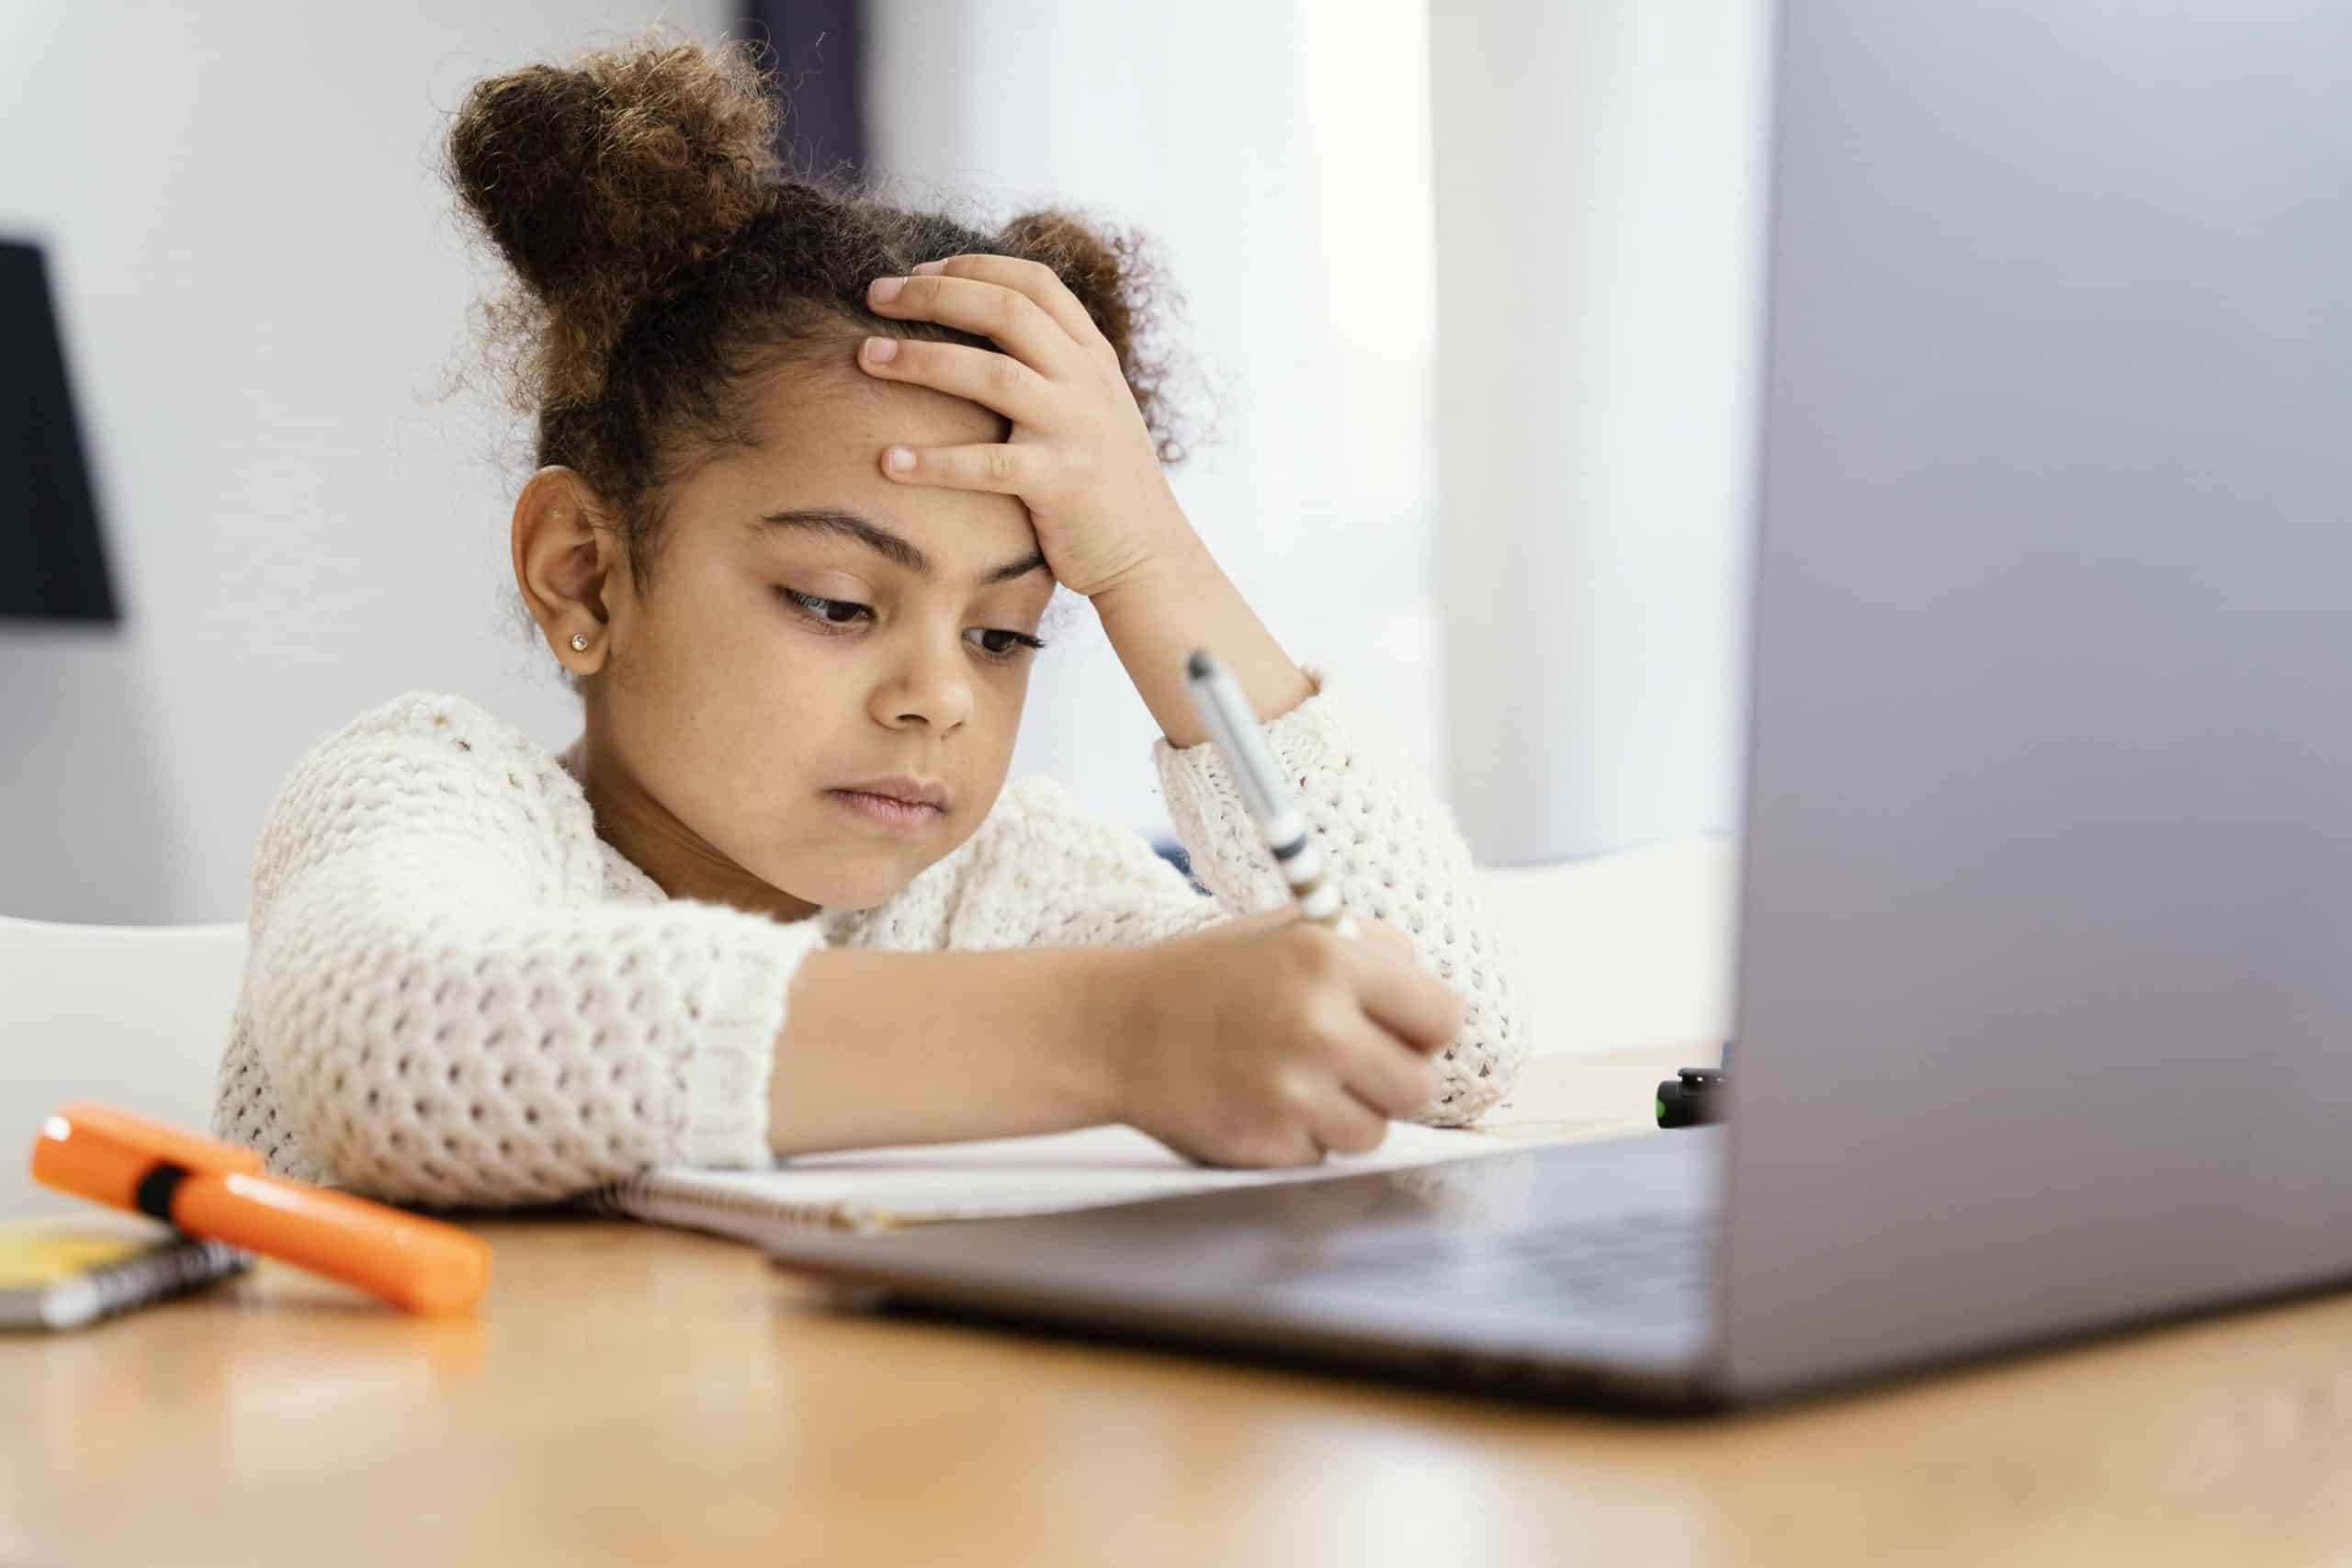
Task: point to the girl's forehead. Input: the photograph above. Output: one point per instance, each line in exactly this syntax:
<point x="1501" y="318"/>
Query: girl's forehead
<point x="846" y="415"/>
<point x="820" y="448"/>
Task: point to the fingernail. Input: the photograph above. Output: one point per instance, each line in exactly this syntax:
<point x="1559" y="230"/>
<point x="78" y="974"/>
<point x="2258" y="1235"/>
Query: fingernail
<point x="929" y="266"/>
<point x="898" y="459"/>
<point x="886" y="289"/>
<point x="881" y="350"/>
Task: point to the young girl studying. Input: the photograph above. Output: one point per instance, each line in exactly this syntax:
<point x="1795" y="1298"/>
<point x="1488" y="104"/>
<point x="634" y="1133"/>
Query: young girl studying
<point x="810" y="470"/>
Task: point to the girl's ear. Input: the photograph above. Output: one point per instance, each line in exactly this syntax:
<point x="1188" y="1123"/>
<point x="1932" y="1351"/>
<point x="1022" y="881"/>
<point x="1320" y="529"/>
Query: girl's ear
<point x="563" y="562"/>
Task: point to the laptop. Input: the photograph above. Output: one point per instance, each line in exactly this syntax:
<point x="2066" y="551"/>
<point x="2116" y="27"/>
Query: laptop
<point x="2044" y="975"/>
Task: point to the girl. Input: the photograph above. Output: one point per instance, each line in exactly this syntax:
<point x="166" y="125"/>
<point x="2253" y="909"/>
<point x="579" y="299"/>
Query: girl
<point x="810" y="468"/>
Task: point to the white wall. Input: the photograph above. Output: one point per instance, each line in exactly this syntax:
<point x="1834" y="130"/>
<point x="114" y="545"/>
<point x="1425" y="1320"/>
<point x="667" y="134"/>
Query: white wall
<point x="1277" y="158"/>
<point x="262" y="282"/>
<point x="1600" y="210"/>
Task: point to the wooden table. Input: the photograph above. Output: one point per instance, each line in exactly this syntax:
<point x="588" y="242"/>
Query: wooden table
<point x="635" y="1395"/>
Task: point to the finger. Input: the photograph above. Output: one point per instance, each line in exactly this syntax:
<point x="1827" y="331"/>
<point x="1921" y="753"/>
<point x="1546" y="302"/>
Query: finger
<point x="1036" y="280"/>
<point x="1346" y="1125"/>
<point x="1396" y="992"/>
<point x="1299" y="1148"/>
<point x="996" y="466"/>
<point x="983" y="376"/>
<point x="1006" y="317"/>
<point x="1389" y="933"/>
<point x="1388" y="1073"/>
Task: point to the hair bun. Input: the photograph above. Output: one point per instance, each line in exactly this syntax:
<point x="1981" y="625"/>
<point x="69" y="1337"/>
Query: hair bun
<point x="601" y="182"/>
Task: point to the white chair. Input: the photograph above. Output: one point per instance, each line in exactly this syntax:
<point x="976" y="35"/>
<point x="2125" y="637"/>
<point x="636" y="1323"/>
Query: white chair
<point x="128" y="1016"/>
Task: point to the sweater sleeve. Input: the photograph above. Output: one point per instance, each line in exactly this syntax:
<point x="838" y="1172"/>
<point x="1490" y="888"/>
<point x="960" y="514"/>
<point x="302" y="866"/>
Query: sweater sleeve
<point x="440" y="1008"/>
<point x="1394" y="853"/>
<point x="1051" y="872"/>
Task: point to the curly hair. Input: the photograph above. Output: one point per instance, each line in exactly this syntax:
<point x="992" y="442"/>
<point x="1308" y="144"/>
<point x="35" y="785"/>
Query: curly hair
<point x="663" y="262"/>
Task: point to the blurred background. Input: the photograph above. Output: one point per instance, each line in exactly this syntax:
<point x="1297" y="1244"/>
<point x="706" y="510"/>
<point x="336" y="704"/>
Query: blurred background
<point x="1470" y="299"/>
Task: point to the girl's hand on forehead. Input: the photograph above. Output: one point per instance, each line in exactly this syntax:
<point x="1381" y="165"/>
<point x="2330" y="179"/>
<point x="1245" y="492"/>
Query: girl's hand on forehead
<point x="1079" y="456"/>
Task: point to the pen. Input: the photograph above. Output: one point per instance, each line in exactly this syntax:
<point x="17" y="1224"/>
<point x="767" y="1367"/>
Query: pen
<point x="218" y="1190"/>
<point x="1232" y="724"/>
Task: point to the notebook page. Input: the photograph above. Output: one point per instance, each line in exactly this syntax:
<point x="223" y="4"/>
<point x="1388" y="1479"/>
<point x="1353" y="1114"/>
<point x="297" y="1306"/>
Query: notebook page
<point x="875" y="1189"/>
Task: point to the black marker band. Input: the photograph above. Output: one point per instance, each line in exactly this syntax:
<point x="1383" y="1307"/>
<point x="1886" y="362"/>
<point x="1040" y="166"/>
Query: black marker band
<point x="1284" y="852"/>
<point x="158" y="1188"/>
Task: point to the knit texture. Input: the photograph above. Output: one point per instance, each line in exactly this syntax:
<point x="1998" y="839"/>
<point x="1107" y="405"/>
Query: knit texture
<point x="456" y="993"/>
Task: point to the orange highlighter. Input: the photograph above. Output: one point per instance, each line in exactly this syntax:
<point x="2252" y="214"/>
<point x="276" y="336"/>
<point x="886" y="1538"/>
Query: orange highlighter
<point x="218" y="1190"/>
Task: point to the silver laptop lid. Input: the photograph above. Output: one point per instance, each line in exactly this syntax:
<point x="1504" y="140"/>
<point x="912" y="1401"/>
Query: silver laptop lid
<point x="2046" y="978"/>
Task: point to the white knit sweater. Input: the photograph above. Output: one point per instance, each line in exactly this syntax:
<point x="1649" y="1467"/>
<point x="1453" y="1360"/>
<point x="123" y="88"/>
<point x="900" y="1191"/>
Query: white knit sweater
<point x="457" y="994"/>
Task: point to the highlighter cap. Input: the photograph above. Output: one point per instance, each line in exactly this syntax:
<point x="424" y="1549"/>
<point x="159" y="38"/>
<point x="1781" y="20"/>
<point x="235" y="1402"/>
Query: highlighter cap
<point x="101" y="1154"/>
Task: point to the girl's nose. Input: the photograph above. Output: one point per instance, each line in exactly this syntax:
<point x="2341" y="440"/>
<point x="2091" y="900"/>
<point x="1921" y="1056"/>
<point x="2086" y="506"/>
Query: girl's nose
<point x="926" y="688"/>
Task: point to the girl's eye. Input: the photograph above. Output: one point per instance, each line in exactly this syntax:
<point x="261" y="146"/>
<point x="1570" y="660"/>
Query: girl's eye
<point x="839" y="615"/>
<point x="997" y="643"/>
<point x="833" y="612"/>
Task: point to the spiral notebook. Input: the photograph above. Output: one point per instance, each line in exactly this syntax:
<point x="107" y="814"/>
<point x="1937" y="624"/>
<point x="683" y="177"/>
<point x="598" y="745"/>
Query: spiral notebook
<point x="55" y="1278"/>
<point x="874" y="1190"/>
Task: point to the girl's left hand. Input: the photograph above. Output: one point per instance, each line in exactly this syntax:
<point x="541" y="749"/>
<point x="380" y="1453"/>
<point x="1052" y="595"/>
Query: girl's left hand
<point x="1079" y="456"/>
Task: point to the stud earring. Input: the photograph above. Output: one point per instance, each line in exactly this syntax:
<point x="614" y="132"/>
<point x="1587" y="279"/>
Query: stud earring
<point x="579" y="641"/>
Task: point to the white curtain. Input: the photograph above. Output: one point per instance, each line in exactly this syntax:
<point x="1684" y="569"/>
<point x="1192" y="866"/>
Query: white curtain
<point x="1599" y="212"/>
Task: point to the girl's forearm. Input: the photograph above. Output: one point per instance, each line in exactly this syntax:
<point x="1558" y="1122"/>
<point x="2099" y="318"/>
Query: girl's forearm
<point x="885" y="1048"/>
<point x="1159" y="614"/>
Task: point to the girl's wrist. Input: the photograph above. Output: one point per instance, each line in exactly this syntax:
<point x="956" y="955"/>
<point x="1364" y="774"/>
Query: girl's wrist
<point x="1180" y="600"/>
<point x="1177" y="562"/>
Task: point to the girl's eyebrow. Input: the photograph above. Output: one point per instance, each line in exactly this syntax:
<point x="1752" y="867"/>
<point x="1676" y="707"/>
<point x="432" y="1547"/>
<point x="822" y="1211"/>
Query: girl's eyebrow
<point x="895" y="548"/>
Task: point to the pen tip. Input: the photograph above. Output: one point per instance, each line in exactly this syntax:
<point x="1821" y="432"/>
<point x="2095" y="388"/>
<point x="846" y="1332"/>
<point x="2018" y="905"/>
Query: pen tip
<point x="1199" y="665"/>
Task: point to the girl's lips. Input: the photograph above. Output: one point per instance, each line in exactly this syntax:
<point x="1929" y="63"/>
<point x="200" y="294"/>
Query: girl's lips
<point x="884" y="810"/>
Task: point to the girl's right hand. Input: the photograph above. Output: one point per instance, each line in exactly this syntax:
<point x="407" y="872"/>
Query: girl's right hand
<point x="1267" y="1040"/>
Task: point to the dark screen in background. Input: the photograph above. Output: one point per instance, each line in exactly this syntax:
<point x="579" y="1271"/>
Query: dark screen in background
<point x="52" y="566"/>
